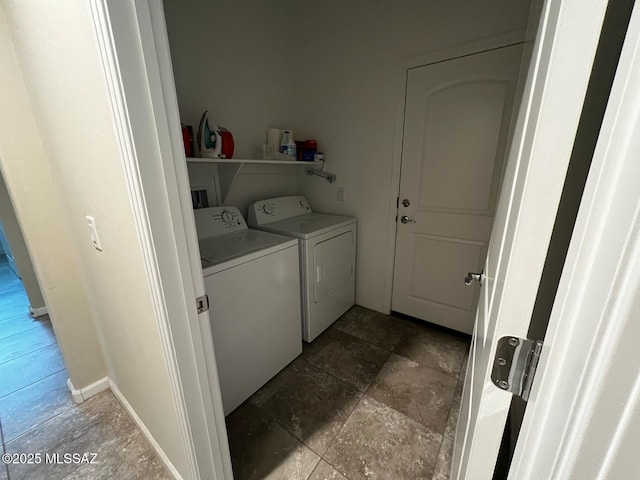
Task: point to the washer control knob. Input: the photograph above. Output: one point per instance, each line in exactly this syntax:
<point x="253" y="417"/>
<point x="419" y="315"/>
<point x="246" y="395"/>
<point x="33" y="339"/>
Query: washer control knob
<point x="227" y="216"/>
<point x="268" y="209"/>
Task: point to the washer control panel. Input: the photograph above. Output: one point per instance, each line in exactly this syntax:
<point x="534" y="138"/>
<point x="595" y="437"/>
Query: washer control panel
<point x="276" y="209"/>
<point x="214" y="221"/>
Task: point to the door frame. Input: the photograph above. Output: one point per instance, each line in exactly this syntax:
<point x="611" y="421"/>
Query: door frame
<point x="436" y="56"/>
<point x="594" y="301"/>
<point x="134" y="52"/>
<point x="545" y="130"/>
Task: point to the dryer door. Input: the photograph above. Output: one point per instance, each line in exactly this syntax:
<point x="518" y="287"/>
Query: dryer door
<point x="333" y="265"/>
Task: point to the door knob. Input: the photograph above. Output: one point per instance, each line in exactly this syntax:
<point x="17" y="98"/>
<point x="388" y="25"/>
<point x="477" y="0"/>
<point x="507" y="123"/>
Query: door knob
<point x="471" y="276"/>
<point x="406" y="202"/>
<point x="405" y="219"/>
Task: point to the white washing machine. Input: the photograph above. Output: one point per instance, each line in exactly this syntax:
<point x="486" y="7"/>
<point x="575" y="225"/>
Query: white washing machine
<point x="253" y="283"/>
<point x="327" y="257"/>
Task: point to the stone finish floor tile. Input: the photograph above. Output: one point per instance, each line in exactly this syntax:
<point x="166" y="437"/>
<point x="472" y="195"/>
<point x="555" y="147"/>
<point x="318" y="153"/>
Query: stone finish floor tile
<point x="313" y="406"/>
<point x="443" y="465"/>
<point x="419" y="392"/>
<point x="143" y="467"/>
<point x="99" y="425"/>
<point x="272" y="386"/>
<point x="32" y="367"/>
<point x="29" y="407"/>
<point x="433" y="348"/>
<point x="311" y="349"/>
<point x="24" y="343"/>
<point x="350" y="359"/>
<point x="463" y="369"/>
<point x="373" y="327"/>
<point x="324" y="471"/>
<point x="262" y="449"/>
<point x="396" y="435"/>
<point x="454" y="413"/>
<point x="379" y="442"/>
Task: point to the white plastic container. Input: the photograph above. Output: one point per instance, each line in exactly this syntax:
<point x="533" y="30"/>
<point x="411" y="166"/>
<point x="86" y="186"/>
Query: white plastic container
<point x="274" y="136"/>
<point x="287" y="145"/>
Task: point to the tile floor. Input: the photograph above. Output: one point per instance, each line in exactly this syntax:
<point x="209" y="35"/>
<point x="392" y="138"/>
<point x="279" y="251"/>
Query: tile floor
<point x="36" y="411"/>
<point x="374" y="397"/>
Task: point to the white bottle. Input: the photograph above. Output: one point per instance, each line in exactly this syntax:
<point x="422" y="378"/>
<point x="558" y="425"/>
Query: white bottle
<point x="287" y="145"/>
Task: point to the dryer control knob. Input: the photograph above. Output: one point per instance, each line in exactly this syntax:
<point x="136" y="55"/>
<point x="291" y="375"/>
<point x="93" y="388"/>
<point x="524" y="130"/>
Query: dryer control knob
<point x="268" y="209"/>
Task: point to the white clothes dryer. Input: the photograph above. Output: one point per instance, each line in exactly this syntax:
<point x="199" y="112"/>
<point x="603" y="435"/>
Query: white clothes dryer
<point x="252" y="280"/>
<point x="327" y="257"/>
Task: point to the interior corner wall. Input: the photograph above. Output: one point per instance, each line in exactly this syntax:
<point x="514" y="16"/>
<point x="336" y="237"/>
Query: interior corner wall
<point x="348" y="74"/>
<point x="57" y="50"/>
<point x="43" y="219"/>
<point x="19" y="250"/>
<point x="234" y="60"/>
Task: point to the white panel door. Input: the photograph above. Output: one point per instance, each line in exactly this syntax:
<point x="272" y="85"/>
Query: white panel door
<point x="584" y="411"/>
<point x="534" y="176"/>
<point x="456" y="127"/>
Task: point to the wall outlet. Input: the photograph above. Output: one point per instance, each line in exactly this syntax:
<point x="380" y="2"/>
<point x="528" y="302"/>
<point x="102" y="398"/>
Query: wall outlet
<point x="341" y="194"/>
<point x="95" y="240"/>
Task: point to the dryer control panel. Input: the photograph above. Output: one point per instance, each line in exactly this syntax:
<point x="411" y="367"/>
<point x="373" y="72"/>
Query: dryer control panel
<point x="276" y="209"/>
<point x="214" y="221"/>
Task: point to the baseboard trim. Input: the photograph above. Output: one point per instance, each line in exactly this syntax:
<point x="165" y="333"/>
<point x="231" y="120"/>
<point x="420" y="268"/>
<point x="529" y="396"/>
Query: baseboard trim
<point x="145" y="431"/>
<point x="37" y="312"/>
<point x="85" y="393"/>
<point x="371" y="304"/>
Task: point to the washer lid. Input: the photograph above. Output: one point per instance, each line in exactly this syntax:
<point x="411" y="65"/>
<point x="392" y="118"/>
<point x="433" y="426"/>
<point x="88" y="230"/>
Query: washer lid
<point x="307" y="226"/>
<point x="215" y="250"/>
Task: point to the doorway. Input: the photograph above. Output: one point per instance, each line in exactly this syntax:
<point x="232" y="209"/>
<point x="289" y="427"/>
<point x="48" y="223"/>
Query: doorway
<point x="28" y="349"/>
<point x="456" y="128"/>
<point x="32" y="372"/>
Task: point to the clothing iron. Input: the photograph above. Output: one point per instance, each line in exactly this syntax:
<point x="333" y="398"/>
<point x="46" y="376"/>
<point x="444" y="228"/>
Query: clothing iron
<point x="216" y="142"/>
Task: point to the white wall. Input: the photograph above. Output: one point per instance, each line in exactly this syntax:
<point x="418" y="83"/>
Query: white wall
<point x="44" y="219"/>
<point x="349" y="55"/>
<point x="330" y="71"/>
<point x="233" y="59"/>
<point x="58" y="54"/>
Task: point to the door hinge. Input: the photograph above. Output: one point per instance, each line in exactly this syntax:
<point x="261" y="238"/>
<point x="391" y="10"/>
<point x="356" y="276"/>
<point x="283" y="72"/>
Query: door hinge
<point x="202" y="303"/>
<point x="514" y="366"/>
<point x="397" y="202"/>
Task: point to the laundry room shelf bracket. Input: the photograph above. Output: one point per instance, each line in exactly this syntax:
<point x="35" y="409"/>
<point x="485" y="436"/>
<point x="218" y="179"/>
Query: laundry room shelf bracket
<point x="230" y="168"/>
